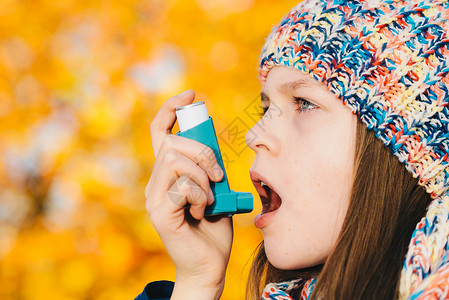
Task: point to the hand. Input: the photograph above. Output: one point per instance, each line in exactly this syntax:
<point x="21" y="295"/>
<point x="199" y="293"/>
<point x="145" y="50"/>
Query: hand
<point x="199" y="247"/>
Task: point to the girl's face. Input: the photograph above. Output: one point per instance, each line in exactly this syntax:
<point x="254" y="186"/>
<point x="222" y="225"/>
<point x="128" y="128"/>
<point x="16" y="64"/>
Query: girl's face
<point x="304" y="148"/>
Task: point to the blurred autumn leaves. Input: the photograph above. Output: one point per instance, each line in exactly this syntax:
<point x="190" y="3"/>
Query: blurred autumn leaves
<point x="80" y="82"/>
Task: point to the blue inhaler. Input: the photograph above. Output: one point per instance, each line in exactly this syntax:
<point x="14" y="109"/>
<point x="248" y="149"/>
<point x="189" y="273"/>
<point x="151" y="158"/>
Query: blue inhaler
<point x="194" y="123"/>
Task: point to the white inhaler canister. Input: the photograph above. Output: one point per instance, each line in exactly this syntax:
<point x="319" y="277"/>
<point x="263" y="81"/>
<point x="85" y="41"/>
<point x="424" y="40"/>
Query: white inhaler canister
<point x="191" y="115"/>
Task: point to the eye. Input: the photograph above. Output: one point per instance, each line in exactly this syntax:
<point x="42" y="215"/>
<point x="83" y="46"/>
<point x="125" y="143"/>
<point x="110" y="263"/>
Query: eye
<point x="303" y="104"/>
<point x="264" y="110"/>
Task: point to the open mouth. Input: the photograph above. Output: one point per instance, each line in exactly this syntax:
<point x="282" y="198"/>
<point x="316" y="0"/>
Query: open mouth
<point x="271" y="200"/>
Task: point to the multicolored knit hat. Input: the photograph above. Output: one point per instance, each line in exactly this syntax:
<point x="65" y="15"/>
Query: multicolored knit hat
<point x="388" y="61"/>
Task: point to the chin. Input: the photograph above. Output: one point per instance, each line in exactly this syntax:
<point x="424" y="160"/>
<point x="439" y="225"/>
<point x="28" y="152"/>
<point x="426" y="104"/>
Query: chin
<point x="287" y="264"/>
<point x="290" y="259"/>
<point x="282" y="262"/>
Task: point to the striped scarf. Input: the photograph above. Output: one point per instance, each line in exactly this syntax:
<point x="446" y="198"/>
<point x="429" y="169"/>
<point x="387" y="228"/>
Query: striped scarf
<point x="284" y="290"/>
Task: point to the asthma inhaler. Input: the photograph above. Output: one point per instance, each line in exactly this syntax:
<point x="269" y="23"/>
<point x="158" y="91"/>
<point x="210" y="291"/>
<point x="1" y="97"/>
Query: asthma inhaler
<point x="194" y="123"/>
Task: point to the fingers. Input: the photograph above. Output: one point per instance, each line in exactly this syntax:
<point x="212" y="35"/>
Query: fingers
<point x="177" y="165"/>
<point x="171" y="165"/>
<point x="186" y="191"/>
<point x="166" y="117"/>
<point x="199" y="153"/>
<point x="171" y="209"/>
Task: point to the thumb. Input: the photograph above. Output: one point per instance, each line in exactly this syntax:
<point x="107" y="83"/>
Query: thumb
<point x="165" y="119"/>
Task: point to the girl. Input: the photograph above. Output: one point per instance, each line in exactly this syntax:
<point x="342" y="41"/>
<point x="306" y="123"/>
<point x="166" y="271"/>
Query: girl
<point x="352" y="174"/>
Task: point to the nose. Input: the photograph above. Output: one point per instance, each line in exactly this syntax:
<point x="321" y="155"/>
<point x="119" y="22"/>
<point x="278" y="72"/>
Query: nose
<point x="263" y="136"/>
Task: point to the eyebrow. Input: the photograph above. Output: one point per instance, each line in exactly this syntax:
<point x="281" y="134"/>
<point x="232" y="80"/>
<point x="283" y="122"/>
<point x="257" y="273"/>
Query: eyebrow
<point x="291" y="86"/>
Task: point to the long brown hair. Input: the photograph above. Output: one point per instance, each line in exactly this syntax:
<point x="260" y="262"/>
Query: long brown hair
<point x="386" y="204"/>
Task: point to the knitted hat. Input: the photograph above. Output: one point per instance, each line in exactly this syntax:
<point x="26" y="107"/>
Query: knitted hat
<point x="388" y="61"/>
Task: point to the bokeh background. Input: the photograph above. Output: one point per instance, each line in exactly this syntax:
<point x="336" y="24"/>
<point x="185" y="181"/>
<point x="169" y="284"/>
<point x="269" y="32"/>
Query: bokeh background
<point x="80" y="82"/>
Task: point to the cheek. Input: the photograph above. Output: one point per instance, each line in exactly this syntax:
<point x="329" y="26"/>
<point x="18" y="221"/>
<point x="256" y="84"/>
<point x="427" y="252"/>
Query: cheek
<point x="322" y="151"/>
<point x="319" y="169"/>
<point x="319" y="165"/>
<point x="308" y="244"/>
<point x="310" y="220"/>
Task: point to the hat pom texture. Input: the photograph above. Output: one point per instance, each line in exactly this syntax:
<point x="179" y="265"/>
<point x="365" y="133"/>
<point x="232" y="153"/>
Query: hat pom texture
<point x="388" y="61"/>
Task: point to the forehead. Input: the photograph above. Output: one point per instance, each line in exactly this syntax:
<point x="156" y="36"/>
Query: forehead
<point x="285" y="79"/>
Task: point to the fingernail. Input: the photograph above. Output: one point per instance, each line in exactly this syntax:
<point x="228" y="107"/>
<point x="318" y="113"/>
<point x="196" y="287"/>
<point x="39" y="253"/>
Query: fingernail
<point x="184" y="93"/>
<point x="217" y="171"/>
<point x="211" y="196"/>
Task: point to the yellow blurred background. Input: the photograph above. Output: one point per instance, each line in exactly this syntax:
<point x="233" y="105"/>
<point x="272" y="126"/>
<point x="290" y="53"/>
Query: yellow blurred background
<point x="80" y="82"/>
